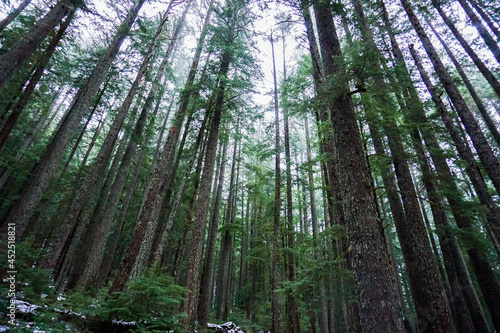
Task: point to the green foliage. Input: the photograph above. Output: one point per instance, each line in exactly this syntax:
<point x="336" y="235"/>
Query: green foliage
<point x="152" y="300"/>
<point x="33" y="282"/>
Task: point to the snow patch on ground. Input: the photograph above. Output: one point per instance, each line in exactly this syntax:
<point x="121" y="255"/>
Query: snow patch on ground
<point x="25" y="307"/>
<point x="228" y="327"/>
<point x="124" y="323"/>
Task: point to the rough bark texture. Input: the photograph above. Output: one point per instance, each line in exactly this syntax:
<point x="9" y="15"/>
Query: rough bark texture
<point x="379" y="307"/>
<point x="96" y="172"/>
<point x="160" y="249"/>
<point x="153" y="194"/>
<point x="429" y="297"/>
<point x="452" y="255"/>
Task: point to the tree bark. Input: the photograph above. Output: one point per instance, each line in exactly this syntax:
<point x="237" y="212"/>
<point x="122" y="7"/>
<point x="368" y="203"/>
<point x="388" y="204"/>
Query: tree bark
<point x="95" y="174"/>
<point x="379" y="306"/>
<point x="153" y="194"/>
<point x="202" y="202"/>
<point x="430" y="301"/>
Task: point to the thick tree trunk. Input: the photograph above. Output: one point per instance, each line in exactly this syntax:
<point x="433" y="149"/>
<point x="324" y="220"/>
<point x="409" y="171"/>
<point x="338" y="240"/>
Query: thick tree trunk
<point x="379" y="306"/>
<point x="46" y="168"/>
<point x="162" y="242"/>
<point x="349" y="311"/>
<point x="426" y="287"/>
<point x="143" y="257"/>
<point x="154" y="191"/>
<point x="110" y="252"/>
<point x="451" y="251"/>
<point x="24" y="47"/>
<point x="95" y="174"/>
<point x="430" y="301"/>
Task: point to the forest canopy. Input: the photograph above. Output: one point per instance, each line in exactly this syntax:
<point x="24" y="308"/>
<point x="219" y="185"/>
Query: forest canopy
<point x="289" y="166"/>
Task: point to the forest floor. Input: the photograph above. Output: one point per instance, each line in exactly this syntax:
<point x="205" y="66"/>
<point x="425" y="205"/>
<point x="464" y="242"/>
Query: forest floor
<point x="76" y="322"/>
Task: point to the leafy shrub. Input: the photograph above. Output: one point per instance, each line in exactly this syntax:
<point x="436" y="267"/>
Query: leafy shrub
<point x="152" y="301"/>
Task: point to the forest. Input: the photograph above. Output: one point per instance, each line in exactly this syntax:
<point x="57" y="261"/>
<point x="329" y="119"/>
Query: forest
<point x="323" y="166"/>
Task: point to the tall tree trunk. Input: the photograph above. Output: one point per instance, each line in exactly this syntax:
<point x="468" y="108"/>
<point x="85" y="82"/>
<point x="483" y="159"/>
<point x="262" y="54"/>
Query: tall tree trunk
<point x="95" y="174"/>
<point x="12" y="15"/>
<point x="426" y="287"/>
<point x="276" y="237"/>
<point x="46" y="168"/>
<point x="146" y="248"/>
<point x="489" y="160"/>
<point x="492" y="126"/>
<point x="222" y="282"/>
<point x="492" y="80"/>
<point x="293" y="314"/>
<point x="11" y="60"/>
<point x="483" y="32"/>
<point x="35" y="77"/>
<point x="154" y="191"/>
<point x="451" y="251"/>
<point x="111" y="251"/>
<point x="202" y="202"/>
<point x="349" y="312"/>
<point x="320" y="289"/>
<point x="206" y="289"/>
<point x="487" y="282"/>
<point x="379" y="306"/>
